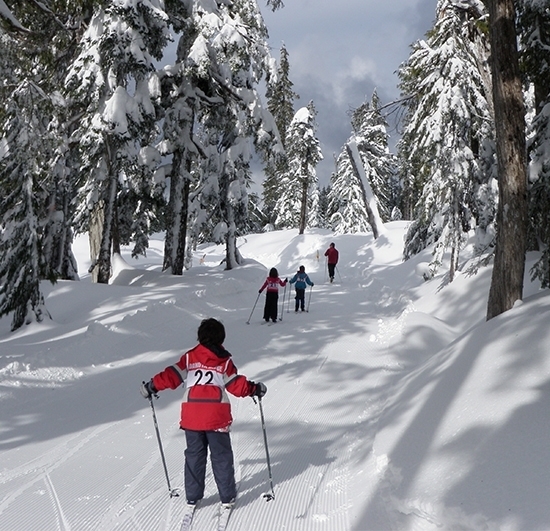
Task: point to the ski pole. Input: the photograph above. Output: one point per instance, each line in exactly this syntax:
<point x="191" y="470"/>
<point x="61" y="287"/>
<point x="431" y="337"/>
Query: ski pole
<point x="173" y="492"/>
<point x="336" y="267"/>
<point x="253" y="308"/>
<point x="268" y="495"/>
<point x="309" y="299"/>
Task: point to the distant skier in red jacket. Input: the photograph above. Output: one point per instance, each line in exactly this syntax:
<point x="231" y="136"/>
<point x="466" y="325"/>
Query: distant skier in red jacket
<point x="207" y="372"/>
<point x="272" y="284"/>
<point x="332" y="259"/>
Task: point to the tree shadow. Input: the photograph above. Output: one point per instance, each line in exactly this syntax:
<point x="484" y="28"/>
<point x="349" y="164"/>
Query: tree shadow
<point x="509" y="477"/>
<point x="506" y="470"/>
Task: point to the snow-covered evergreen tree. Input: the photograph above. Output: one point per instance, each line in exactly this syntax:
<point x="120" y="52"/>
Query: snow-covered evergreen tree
<point x="534" y="26"/>
<point x="539" y="194"/>
<point x="24" y="192"/>
<point x="256" y="214"/>
<point x="534" y="33"/>
<point x="299" y="195"/>
<point x="241" y="122"/>
<point x="323" y="211"/>
<point x="446" y="148"/>
<point x="280" y="103"/>
<point x="63" y="175"/>
<point x="35" y="54"/>
<point x="58" y="37"/>
<point x="184" y="86"/>
<point x="219" y="117"/>
<point x="360" y="187"/>
<point x="111" y="82"/>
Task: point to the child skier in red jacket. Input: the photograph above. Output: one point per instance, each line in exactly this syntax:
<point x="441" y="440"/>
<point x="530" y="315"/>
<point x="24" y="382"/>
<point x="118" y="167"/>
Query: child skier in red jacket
<point x="332" y="259"/>
<point x="207" y="372"/>
<point x="272" y="284"/>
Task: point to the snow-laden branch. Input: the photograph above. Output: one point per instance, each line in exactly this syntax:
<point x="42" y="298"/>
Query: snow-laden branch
<point x="7" y="16"/>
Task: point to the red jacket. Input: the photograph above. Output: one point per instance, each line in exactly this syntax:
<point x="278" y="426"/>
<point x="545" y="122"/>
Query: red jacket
<point x="272" y="284"/>
<point x="332" y="254"/>
<point x="207" y="373"/>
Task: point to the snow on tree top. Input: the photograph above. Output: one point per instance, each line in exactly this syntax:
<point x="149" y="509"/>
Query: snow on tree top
<point x="302" y="115"/>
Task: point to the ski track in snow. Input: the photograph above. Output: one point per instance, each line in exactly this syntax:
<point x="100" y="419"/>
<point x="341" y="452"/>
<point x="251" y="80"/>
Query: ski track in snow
<point x="42" y="472"/>
<point x="144" y="504"/>
<point x="322" y="500"/>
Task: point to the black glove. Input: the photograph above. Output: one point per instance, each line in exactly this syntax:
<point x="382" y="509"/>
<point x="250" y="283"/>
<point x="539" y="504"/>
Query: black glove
<point x="312" y="284"/>
<point x="286" y="279"/>
<point x="147" y="389"/>
<point x="259" y="291"/>
<point x="260" y="390"/>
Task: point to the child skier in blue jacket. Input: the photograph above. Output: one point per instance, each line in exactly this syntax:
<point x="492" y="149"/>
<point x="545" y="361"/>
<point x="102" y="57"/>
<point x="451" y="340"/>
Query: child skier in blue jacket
<point x="302" y="280"/>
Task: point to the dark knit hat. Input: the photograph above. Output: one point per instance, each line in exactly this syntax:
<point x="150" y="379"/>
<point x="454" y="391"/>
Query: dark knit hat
<point x="211" y="332"/>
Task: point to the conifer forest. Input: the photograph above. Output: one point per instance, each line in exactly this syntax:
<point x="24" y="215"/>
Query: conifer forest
<point x="96" y="138"/>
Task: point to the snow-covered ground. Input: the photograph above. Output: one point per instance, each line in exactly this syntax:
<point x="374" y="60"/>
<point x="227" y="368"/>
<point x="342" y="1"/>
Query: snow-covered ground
<point x="391" y="405"/>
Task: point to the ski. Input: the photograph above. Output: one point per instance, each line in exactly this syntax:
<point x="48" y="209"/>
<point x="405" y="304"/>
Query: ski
<point x="224" y="512"/>
<point x="187" y="521"/>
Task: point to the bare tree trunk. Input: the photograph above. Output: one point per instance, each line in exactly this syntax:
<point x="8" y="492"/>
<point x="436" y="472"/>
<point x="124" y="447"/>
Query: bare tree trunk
<point x="372" y="216"/>
<point x="303" y="199"/>
<point x="68" y="267"/>
<point x="95" y="231"/>
<point x="59" y="236"/>
<point x="115" y="233"/>
<point x="456" y="236"/>
<point x="178" y="208"/>
<point x="231" y="257"/>
<point x="509" y="266"/>
<point x="105" y="250"/>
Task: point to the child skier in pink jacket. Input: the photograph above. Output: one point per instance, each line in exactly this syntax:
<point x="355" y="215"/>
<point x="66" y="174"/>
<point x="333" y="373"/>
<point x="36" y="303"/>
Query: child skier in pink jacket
<point x="272" y="284"/>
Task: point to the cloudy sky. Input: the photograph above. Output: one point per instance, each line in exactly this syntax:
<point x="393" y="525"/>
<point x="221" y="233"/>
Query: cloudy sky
<point x="340" y="51"/>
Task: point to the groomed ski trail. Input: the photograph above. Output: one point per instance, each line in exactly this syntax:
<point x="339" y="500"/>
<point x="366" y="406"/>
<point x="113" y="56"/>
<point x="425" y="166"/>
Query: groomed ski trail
<point x="316" y="456"/>
<point x="303" y="424"/>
